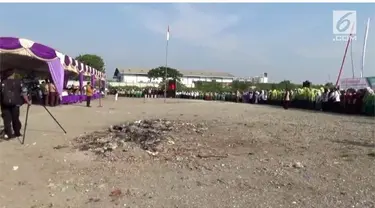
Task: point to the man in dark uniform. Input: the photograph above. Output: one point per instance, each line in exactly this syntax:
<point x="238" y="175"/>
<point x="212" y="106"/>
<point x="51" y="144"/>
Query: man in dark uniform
<point x="13" y="95"/>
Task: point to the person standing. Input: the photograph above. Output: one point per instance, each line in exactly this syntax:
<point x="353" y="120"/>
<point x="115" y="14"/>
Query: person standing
<point x="13" y="95"/>
<point x="318" y="100"/>
<point x="336" y="100"/>
<point x="45" y="90"/>
<point x="286" y="99"/>
<point x="325" y="99"/>
<point x="52" y="94"/>
<point x="89" y="93"/>
<point x="116" y="94"/>
<point x="256" y="100"/>
<point x="238" y="94"/>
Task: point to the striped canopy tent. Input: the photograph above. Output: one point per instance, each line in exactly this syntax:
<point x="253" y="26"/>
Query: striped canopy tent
<point x="81" y="68"/>
<point x="89" y="71"/>
<point x="26" y="55"/>
<point x="67" y="62"/>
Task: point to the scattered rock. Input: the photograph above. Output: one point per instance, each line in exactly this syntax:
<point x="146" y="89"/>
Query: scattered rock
<point x="22" y="183"/>
<point x="115" y="194"/>
<point x="60" y="147"/>
<point x="149" y="135"/>
<point x="93" y="200"/>
<point x="297" y="165"/>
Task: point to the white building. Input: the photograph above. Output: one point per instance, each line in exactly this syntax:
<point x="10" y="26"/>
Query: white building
<point x="256" y="79"/>
<point x="138" y="77"/>
<point x="260" y="79"/>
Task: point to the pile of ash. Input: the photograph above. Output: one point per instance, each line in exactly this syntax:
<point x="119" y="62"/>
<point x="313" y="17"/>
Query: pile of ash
<point x="148" y="134"/>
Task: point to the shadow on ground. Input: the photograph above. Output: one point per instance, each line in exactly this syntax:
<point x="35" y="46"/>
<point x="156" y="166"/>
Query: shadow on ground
<point x="355" y="143"/>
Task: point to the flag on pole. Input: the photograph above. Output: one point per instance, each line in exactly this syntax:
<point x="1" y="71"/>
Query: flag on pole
<point x="168" y="34"/>
<point x="364" y="46"/>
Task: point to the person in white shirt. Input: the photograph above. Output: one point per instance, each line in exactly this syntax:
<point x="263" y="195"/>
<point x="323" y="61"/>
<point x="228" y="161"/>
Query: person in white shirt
<point x="148" y="93"/>
<point x="335" y="96"/>
<point x="116" y="94"/>
<point x="318" y="100"/>
<point x="287" y="96"/>
<point x="325" y="99"/>
<point x="256" y="100"/>
<point x="261" y="97"/>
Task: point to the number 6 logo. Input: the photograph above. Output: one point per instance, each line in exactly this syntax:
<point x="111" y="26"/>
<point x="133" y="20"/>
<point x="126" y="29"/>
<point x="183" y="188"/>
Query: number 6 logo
<point x="343" y="24"/>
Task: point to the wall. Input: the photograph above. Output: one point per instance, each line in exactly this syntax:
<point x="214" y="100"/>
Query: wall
<point x="123" y="84"/>
<point x="118" y="84"/>
<point x="263" y="80"/>
<point x="143" y="80"/>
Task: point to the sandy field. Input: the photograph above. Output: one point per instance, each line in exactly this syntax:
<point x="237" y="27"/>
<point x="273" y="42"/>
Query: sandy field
<point x="214" y="154"/>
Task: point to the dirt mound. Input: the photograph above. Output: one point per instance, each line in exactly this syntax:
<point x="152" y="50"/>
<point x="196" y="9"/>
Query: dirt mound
<point x="149" y="135"/>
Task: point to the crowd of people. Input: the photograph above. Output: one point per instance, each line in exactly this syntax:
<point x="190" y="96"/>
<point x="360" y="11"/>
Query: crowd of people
<point x="15" y="92"/>
<point x="348" y="101"/>
<point x="135" y="92"/>
<point x="50" y="96"/>
<point x="331" y="100"/>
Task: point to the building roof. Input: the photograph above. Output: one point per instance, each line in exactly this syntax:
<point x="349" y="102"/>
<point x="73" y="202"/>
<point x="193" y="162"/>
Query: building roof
<point x="185" y="73"/>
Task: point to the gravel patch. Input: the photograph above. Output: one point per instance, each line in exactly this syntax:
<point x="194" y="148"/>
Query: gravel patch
<point x="206" y="154"/>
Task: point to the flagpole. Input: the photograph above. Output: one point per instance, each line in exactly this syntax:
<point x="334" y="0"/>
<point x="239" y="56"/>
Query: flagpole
<point x="351" y="58"/>
<point x="166" y="66"/>
<point x="364" y="46"/>
<point x="343" y="59"/>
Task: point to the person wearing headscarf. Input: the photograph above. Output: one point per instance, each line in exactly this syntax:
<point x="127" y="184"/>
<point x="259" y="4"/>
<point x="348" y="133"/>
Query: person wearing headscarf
<point x="287" y="99"/>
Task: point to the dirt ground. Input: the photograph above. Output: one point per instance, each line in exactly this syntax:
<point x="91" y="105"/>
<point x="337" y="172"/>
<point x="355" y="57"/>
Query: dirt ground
<point x="247" y="156"/>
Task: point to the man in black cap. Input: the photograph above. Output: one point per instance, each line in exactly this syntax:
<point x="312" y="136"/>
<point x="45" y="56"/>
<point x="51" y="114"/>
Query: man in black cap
<point x="12" y="96"/>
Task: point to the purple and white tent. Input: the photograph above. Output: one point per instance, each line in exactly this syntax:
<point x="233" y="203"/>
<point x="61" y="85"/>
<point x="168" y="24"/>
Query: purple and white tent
<point x="27" y="55"/>
<point x="78" y="67"/>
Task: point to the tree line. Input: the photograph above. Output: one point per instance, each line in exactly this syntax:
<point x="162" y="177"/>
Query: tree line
<point x="162" y="73"/>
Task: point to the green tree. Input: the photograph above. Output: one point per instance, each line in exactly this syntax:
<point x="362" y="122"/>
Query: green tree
<point x="286" y="84"/>
<point x="329" y="85"/>
<point x="273" y="86"/>
<point x="92" y="60"/>
<point x="240" y="85"/>
<point x="159" y="72"/>
<point x="208" y="86"/>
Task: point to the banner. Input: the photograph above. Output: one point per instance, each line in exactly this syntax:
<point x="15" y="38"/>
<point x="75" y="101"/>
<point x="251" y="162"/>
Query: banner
<point x="355" y="83"/>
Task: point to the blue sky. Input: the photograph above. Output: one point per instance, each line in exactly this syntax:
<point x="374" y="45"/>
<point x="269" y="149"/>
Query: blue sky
<point x="289" y="41"/>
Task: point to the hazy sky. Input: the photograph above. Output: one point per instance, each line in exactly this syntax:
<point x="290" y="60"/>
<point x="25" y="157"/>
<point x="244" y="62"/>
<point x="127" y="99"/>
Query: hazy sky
<point x="289" y="41"/>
